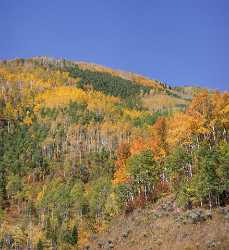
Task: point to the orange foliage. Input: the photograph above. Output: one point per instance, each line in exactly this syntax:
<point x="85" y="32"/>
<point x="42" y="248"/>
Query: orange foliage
<point x="158" y="143"/>
<point x="138" y="145"/>
<point x="123" y="152"/>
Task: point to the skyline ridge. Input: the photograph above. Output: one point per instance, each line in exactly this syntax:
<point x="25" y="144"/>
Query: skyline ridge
<point x="179" y="42"/>
<point x="195" y="85"/>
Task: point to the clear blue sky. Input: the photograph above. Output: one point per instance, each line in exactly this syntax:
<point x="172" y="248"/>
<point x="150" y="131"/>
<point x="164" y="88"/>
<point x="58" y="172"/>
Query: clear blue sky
<point x="176" y="41"/>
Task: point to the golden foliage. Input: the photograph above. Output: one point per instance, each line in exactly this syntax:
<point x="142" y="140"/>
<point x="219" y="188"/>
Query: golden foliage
<point x="62" y="96"/>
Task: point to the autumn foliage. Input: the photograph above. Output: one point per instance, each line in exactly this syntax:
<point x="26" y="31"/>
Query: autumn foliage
<point x="82" y="143"/>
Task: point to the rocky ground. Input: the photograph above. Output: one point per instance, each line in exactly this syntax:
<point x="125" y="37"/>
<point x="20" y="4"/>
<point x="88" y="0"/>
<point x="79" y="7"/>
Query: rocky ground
<point x="164" y="226"/>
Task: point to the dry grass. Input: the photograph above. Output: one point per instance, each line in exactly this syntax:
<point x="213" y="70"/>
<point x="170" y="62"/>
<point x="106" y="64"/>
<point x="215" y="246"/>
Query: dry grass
<point x="160" y="101"/>
<point x="146" y="232"/>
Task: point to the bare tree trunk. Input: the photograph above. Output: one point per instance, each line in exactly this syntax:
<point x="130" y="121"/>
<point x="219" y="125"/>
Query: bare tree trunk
<point x="210" y="201"/>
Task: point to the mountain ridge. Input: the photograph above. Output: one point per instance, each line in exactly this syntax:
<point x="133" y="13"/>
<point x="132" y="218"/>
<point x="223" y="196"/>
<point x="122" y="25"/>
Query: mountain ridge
<point x="97" y="67"/>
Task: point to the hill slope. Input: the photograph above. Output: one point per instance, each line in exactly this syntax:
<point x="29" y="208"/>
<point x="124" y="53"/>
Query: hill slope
<point x="163" y="226"/>
<point x="81" y="143"/>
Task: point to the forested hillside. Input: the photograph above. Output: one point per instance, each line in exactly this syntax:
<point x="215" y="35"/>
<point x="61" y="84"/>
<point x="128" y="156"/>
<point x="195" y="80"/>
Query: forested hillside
<point x="81" y="144"/>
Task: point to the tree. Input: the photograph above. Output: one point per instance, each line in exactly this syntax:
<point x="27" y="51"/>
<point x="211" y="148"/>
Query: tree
<point x="40" y="245"/>
<point x="3" y="193"/>
<point x="178" y="166"/>
<point x="70" y="236"/>
<point x="97" y="196"/>
<point x="206" y="181"/>
<point x="143" y="172"/>
<point x="74" y="236"/>
<point x="79" y="201"/>
<point x="223" y="171"/>
<point x="123" y="152"/>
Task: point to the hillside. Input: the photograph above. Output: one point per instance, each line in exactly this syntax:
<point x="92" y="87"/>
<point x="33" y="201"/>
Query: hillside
<point x="162" y="226"/>
<point x="82" y="144"/>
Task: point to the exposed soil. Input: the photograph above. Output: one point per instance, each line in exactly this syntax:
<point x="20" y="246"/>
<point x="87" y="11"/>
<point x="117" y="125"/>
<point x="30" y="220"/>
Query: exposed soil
<point x="163" y="226"/>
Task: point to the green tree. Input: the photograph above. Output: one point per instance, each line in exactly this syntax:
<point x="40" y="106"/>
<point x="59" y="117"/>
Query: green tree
<point x="205" y="183"/>
<point x="79" y="201"/>
<point x="99" y="191"/>
<point x="74" y="235"/>
<point x="223" y="167"/>
<point x="178" y="167"/>
<point x="143" y="171"/>
<point x="40" y="245"/>
<point x="3" y="193"/>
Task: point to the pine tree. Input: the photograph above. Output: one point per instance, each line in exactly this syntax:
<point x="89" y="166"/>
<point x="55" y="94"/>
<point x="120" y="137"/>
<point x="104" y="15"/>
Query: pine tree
<point x="3" y="194"/>
<point x="74" y="236"/>
<point x="40" y="245"/>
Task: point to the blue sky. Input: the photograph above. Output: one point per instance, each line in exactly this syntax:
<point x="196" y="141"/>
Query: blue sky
<point x="180" y="42"/>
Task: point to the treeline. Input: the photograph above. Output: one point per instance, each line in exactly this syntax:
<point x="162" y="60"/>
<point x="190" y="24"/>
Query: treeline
<point x="108" y="84"/>
<point x="102" y="81"/>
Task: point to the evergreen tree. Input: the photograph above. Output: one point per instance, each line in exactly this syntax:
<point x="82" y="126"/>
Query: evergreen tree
<point x="3" y="194"/>
<point x="74" y="236"/>
<point x="40" y="245"/>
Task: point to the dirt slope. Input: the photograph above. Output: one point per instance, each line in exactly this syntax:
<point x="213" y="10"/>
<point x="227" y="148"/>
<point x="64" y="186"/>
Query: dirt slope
<point x="164" y="227"/>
